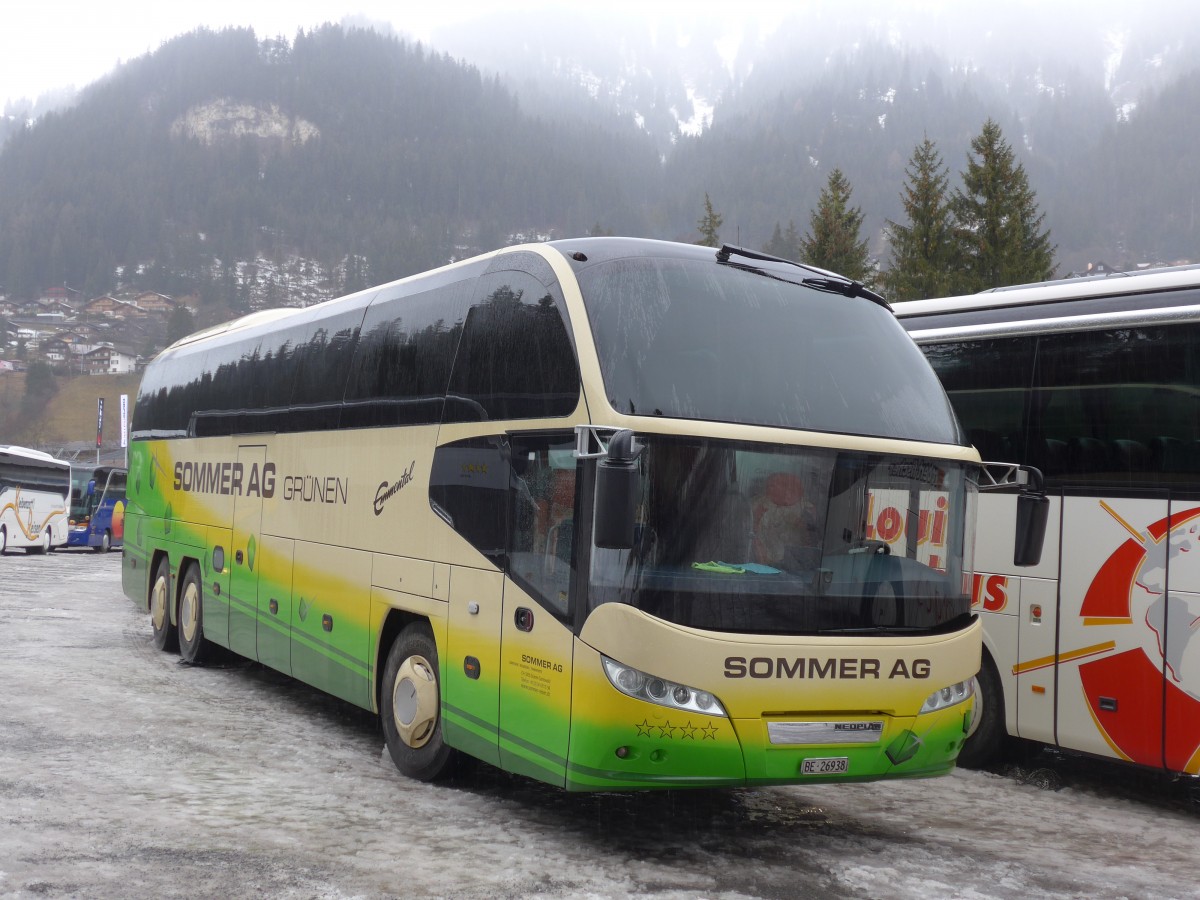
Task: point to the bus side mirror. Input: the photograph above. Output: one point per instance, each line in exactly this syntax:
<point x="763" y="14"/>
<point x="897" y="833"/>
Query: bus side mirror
<point x="618" y="484"/>
<point x="92" y="488"/>
<point x="1033" y="510"/>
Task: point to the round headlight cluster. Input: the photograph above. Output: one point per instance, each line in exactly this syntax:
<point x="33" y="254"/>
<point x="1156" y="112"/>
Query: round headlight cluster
<point x="949" y="696"/>
<point x="638" y="684"/>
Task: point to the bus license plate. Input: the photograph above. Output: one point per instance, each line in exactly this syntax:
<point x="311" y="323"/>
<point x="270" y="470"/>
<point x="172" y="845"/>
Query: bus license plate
<point x="833" y="765"/>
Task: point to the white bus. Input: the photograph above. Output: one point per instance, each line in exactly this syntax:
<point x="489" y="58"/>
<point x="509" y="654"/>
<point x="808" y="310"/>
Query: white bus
<point x="1096" y="382"/>
<point x="34" y="487"/>
<point x="610" y="513"/>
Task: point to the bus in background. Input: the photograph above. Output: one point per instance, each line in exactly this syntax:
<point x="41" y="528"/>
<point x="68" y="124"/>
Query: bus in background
<point x="34" y="487"/>
<point x="609" y="513"/>
<point x="1096" y="382"/>
<point x="97" y="507"/>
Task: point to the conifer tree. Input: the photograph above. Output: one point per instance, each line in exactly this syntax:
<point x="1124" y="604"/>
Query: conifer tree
<point x="833" y="241"/>
<point x="998" y="228"/>
<point x="784" y="243"/>
<point x="709" y="225"/>
<point x="923" y="249"/>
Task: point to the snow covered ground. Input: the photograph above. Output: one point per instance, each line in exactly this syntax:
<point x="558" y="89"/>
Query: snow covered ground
<point x="125" y="774"/>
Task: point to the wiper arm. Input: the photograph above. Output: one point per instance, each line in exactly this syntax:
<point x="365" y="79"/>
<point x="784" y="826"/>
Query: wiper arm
<point x="824" y="281"/>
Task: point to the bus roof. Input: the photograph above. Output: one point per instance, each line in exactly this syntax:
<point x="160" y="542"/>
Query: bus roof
<point x="33" y="456"/>
<point x="1045" y="292"/>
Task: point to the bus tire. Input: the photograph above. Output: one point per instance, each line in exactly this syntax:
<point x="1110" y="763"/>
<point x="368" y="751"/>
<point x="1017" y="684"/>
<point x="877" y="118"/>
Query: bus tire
<point x="166" y="638"/>
<point x="988" y="734"/>
<point x="105" y="542"/>
<point x="3" y="539"/>
<point x="42" y="547"/>
<point x="194" y="647"/>
<point x="410" y="706"/>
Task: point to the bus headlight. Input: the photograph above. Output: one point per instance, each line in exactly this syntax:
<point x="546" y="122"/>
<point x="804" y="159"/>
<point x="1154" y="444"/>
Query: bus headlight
<point x="949" y="696"/>
<point x="666" y="693"/>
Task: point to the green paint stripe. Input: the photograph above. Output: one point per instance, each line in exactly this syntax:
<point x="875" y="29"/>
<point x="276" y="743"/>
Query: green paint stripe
<point x="328" y="650"/>
<point x="559" y="762"/>
<point x="539" y="756"/>
<point x="348" y="660"/>
<point x="468" y="718"/>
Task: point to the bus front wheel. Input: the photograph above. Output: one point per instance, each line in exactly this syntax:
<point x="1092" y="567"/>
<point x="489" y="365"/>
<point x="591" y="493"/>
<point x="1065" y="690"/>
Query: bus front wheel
<point x="105" y="542"/>
<point x="193" y="646"/>
<point x="987" y="737"/>
<point x="410" y="707"/>
<point x="165" y="636"/>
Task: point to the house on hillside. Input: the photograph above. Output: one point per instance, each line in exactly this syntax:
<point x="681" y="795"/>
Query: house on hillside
<point x="56" y="350"/>
<point x="108" y="360"/>
<point x="112" y="308"/>
<point x="155" y="303"/>
<point x="60" y="296"/>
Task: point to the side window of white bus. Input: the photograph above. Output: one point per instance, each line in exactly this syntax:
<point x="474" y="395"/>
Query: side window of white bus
<point x="988" y="384"/>
<point x="1120" y="406"/>
<point x="542" y="523"/>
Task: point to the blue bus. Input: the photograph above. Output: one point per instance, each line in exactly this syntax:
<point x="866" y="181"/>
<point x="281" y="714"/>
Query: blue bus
<point x="97" y="507"/>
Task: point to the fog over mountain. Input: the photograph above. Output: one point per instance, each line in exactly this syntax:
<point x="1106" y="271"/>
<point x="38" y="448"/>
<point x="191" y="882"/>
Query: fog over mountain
<point x="665" y="67"/>
<point x="372" y="157"/>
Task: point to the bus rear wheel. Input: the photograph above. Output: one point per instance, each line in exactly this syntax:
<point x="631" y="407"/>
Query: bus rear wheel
<point x="986" y="740"/>
<point x="165" y="636"/>
<point x="410" y="707"/>
<point x="194" y="647"/>
<point x="3" y="539"/>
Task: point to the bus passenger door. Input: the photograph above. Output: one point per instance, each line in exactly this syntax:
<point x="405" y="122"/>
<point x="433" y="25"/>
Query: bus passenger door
<point x="244" y="553"/>
<point x="1178" y="615"/>
<point x="1113" y="593"/>
<point x="536" y="644"/>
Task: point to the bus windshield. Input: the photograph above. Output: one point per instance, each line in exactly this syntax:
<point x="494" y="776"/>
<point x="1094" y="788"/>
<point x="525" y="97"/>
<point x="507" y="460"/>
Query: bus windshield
<point x="764" y="539"/>
<point x="82" y="503"/>
<point x="694" y="339"/>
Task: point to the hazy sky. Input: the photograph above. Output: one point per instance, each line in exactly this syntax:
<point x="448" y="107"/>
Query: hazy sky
<point x="45" y="46"/>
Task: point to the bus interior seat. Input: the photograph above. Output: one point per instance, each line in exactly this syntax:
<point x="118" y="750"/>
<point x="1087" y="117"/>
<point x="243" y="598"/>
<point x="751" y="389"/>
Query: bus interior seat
<point x="1169" y="454"/>
<point x="1088" y="454"/>
<point x="1054" y="457"/>
<point x="1130" y="456"/>
<point x="726" y="537"/>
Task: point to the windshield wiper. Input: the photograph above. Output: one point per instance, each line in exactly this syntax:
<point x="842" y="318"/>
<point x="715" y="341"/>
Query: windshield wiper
<point x="823" y="281"/>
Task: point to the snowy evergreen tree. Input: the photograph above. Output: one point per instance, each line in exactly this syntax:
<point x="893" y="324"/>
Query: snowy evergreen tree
<point x="834" y="240"/>
<point x="922" y="250"/>
<point x="998" y="229"/>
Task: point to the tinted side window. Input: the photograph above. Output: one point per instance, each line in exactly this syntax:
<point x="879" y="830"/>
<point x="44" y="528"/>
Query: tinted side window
<point x="402" y="367"/>
<point x="1119" y="406"/>
<point x="320" y="367"/>
<point x="468" y="487"/>
<point x="515" y="360"/>
<point x="988" y="383"/>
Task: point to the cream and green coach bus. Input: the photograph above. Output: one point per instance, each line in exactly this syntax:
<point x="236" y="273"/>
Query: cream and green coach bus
<point x="610" y="513"/>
